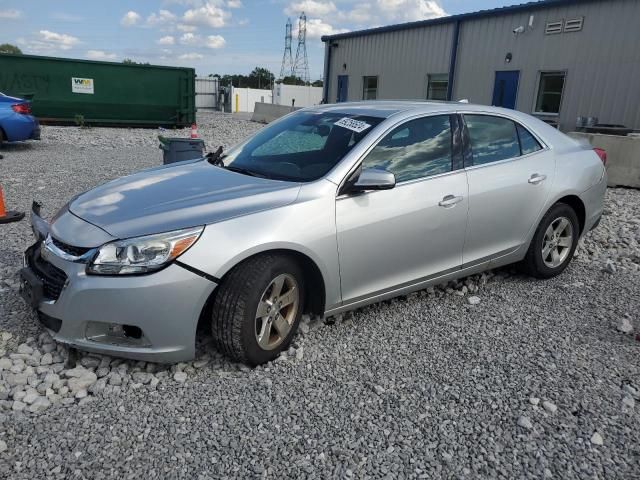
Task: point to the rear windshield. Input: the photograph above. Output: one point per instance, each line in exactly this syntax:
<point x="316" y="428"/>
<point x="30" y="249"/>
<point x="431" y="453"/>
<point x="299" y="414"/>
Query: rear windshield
<point x="302" y="147"/>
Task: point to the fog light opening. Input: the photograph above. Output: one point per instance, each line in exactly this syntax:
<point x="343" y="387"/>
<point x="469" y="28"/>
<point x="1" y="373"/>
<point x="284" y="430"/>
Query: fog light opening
<point x="131" y="331"/>
<point x="116" y="334"/>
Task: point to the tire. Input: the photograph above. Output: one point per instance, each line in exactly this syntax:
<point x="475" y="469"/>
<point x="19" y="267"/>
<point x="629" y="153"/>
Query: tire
<point x="237" y="330"/>
<point x="541" y="261"/>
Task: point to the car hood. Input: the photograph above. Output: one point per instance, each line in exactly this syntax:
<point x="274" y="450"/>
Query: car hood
<point x="178" y="196"/>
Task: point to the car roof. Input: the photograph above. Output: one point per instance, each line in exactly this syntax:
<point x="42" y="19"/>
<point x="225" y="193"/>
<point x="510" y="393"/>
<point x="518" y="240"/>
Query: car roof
<point x="406" y="108"/>
<point x="377" y="108"/>
<point x="387" y="108"/>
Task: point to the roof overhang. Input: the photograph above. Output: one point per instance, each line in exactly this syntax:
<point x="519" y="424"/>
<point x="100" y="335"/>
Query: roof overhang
<point x="454" y="18"/>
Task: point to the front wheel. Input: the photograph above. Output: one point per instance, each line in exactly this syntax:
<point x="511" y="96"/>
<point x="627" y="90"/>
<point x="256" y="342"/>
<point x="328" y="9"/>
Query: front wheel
<point x="554" y="242"/>
<point x="257" y="308"/>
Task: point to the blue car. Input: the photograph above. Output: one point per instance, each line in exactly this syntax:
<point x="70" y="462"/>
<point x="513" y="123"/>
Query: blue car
<point x="16" y="121"/>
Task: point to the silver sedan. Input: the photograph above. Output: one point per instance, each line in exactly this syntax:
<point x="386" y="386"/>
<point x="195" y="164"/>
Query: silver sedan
<point x="328" y="209"/>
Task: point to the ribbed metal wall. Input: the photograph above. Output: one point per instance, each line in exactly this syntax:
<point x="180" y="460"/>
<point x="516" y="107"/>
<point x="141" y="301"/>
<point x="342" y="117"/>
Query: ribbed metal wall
<point x="602" y="61"/>
<point x="207" y="92"/>
<point x="401" y="60"/>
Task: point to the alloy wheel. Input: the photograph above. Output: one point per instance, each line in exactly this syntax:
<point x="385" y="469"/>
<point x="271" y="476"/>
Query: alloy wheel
<point x="276" y="312"/>
<point x="557" y="242"/>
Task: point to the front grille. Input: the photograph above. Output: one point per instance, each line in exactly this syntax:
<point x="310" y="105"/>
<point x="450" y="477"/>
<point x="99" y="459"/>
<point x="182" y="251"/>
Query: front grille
<point x="69" y="249"/>
<point x="53" y="279"/>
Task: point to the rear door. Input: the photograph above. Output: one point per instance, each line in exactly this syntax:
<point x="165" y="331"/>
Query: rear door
<point x="510" y="175"/>
<point x="392" y="238"/>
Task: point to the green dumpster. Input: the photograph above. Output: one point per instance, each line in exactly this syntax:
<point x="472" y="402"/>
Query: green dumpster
<point x="70" y="91"/>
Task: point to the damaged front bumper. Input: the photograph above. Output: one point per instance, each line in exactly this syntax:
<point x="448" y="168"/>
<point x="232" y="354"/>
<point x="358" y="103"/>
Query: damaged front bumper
<point x="145" y="317"/>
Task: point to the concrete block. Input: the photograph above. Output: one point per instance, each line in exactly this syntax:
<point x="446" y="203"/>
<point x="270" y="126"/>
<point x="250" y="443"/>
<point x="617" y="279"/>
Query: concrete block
<point x="268" y="112"/>
<point x="623" y="157"/>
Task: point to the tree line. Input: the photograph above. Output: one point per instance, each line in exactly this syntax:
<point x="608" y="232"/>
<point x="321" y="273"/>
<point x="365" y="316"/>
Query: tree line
<point x="260" y="78"/>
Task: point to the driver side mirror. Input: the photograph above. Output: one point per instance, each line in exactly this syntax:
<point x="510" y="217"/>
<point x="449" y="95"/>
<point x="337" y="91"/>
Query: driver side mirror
<point x="373" y="179"/>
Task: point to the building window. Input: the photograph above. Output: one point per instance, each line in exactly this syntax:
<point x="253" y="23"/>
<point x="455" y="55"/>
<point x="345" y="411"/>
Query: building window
<point x="370" y="88"/>
<point x="437" y="86"/>
<point x="550" y="92"/>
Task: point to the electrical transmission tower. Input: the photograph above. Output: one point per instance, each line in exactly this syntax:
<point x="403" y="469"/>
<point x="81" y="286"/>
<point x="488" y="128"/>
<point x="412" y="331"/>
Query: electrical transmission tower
<point x="301" y="65"/>
<point x="287" y="58"/>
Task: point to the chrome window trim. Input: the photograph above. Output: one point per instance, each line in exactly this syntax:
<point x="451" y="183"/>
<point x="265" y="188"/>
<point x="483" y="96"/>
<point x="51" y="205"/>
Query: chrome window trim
<point x="506" y="160"/>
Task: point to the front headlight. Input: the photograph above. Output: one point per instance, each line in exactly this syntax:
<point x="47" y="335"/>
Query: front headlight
<point x="142" y="254"/>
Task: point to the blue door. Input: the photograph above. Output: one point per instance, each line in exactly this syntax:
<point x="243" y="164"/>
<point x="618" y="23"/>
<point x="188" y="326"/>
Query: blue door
<point x="505" y="89"/>
<point x="343" y="88"/>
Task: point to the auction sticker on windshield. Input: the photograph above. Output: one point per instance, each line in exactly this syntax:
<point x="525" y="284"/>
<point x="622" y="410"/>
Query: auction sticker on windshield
<point x="353" y="125"/>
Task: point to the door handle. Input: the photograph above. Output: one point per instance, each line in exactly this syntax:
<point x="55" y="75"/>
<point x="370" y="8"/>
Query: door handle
<point x="449" y="201"/>
<point x="535" y="179"/>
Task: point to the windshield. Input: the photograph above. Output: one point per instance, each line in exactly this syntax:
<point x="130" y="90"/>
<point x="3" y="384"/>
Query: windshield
<point x="302" y="147"/>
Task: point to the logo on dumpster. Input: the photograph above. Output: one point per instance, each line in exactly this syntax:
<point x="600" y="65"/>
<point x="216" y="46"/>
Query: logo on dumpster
<point x="82" y="85"/>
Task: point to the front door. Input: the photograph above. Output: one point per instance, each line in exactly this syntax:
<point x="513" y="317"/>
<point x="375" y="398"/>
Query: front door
<point x="509" y="183"/>
<point x="393" y="238"/>
<point x="505" y="89"/>
<point x="343" y="88"/>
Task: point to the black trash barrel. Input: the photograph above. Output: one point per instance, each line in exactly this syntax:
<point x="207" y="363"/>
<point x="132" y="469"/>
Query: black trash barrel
<point x="176" y="149"/>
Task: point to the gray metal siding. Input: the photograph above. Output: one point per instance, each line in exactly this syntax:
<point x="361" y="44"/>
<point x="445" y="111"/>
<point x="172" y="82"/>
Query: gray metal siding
<point x="602" y="61"/>
<point x="401" y="60"/>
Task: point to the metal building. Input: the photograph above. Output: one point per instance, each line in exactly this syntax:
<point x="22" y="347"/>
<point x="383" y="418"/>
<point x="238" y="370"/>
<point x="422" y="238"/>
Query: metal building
<point x="566" y="61"/>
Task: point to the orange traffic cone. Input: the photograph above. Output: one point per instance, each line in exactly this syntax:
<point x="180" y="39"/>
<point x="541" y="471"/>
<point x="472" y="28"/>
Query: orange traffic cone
<point x="194" y="130"/>
<point x="8" y="217"/>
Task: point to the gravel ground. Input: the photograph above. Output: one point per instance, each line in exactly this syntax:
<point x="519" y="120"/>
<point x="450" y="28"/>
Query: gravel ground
<point x="496" y="376"/>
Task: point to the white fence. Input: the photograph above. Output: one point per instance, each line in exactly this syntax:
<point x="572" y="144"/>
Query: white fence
<point x="206" y="92"/>
<point x="304" y="96"/>
<point x="244" y="99"/>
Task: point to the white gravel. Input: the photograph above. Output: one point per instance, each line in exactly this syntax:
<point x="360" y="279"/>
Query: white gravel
<point x="517" y="379"/>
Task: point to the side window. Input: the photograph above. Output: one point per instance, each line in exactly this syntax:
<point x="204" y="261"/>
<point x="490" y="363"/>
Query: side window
<point x="492" y="138"/>
<point x="528" y="143"/>
<point x="416" y="149"/>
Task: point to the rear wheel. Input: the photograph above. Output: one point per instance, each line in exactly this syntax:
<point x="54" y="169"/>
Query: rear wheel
<point x="554" y="242"/>
<point x="257" y="309"/>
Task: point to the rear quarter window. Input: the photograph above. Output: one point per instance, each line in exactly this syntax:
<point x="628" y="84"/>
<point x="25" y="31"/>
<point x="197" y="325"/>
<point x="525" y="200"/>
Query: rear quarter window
<point x="528" y="143"/>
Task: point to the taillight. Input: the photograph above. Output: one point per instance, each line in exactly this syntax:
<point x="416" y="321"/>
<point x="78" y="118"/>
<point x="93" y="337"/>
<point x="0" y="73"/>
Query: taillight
<point x="23" y="108"/>
<point x="602" y="154"/>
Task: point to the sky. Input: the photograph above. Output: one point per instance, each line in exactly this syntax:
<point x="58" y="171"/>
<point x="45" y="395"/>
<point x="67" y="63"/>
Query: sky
<point x="213" y="36"/>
